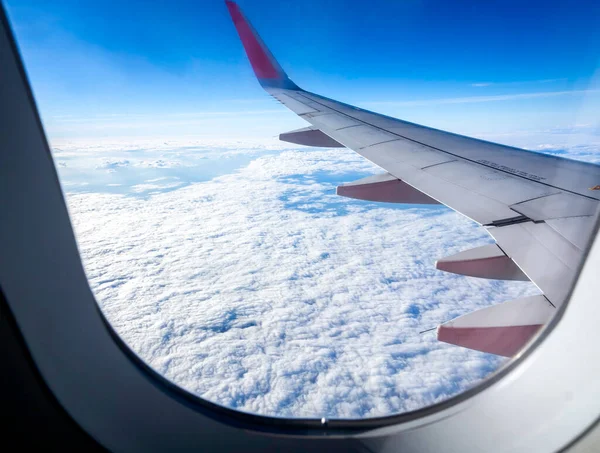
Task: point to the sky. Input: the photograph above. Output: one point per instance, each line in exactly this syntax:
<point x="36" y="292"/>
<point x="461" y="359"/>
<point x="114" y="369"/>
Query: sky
<point x="222" y="256"/>
<point x="108" y="69"/>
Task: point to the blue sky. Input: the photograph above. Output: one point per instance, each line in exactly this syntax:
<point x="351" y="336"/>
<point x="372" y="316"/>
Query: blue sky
<point x="164" y="69"/>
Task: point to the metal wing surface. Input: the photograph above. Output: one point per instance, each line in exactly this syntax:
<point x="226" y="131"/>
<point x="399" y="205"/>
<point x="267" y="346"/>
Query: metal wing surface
<point x="539" y="208"/>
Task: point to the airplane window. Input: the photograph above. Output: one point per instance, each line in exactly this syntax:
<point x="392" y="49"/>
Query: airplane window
<point x="269" y="276"/>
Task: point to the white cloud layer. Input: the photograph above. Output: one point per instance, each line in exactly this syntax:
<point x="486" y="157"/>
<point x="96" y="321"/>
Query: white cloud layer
<point x="258" y="288"/>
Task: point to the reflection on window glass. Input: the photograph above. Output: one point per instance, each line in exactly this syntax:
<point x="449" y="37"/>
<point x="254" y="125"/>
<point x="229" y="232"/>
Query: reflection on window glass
<point x="224" y="257"/>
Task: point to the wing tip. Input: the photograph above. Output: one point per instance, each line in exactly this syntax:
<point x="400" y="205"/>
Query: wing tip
<point x="232" y="7"/>
<point x="266" y="68"/>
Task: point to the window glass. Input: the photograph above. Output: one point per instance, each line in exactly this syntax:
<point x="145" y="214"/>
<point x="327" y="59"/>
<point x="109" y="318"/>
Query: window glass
<point x="223" y="256"/>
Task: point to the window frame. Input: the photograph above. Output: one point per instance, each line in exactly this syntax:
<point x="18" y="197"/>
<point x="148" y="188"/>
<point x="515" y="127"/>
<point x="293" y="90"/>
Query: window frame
<point x="126" y="405"/>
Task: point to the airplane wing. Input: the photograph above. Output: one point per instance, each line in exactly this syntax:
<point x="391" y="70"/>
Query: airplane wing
<point x="539" y="208"/>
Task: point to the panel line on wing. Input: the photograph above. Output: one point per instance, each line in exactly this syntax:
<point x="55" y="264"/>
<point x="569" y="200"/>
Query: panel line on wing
<point x="437" y="163"/>
<point x="508" y="221"/>
<point x="381" y="143"/>
<point x="348" y="127"/>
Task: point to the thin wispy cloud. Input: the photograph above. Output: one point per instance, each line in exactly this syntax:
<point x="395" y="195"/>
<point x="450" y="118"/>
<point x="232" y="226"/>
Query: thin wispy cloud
<point x="479" y="99"/>
<point x="522" y="82"/>
<point x="244" y="122"/>
<point x="119" y="117"/>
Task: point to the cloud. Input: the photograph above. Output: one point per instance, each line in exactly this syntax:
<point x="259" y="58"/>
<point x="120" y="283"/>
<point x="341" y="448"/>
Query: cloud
<point x="111" y="165"/>
<point x="487" y="84"/>
<point x="261" y="290"/>
<point x="123" y="121"/>
<point x="478" y="99"/>
<point x="139" y="188"/>
<point x="586" y="153"/>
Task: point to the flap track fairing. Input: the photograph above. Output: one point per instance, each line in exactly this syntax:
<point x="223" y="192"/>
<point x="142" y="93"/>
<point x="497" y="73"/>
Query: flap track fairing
<point x="488" y="261"/>
<point x="500" y="329"/>
<point x="310" y="136"/>
<point x="386" y="188"/>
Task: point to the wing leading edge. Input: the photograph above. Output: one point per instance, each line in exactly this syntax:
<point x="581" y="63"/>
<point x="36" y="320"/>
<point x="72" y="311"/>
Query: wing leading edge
<point x="539" y="208"/>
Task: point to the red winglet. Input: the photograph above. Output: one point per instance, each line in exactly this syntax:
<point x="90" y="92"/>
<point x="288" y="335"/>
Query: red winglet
<point x="267" y="70"/>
